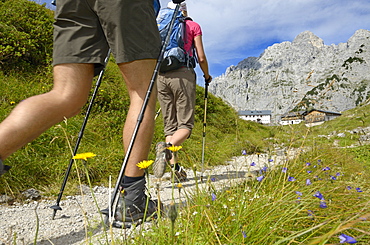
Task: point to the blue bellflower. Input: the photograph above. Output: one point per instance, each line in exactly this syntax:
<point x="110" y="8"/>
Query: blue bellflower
<point x="291" y="178"/>
<point x="323" y="204"/>
<point x="260" y="178"/>
<point x="213" y="196"/>
<point x="319" y="195"/>
<point x="346" y="239"/>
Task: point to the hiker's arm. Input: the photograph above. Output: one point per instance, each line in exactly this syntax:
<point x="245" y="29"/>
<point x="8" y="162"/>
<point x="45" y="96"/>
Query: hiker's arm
<point x="202" y="59"/>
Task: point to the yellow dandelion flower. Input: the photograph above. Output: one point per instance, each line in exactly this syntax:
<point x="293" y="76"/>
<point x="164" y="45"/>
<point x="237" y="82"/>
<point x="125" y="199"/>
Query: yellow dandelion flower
<point x="174" y="148"/>
<point x="12" y="102"/>
<point x="144" y="164"/>
<point x="84" y="156"/>
<point x="179" y="185"/>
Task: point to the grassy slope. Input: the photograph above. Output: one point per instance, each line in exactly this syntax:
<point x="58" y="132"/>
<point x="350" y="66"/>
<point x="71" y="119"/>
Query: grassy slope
<point x="42" y="163"/>
<point x="283" y="210"/>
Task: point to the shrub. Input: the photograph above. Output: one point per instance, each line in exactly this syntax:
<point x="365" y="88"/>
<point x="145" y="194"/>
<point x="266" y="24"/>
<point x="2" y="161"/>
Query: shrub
<point x="25" y="35"/>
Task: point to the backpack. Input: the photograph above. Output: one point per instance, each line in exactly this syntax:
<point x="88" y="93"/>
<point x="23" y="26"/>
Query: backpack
<point x="175" y="55"/>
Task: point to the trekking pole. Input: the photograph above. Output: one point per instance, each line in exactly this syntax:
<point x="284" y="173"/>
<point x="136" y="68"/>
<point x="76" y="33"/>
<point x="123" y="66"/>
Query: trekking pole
<point x="204" y="126"/>
<point x="56" y="207"/>
<point x="157" y="113"/>
<point x="111" y="209"/>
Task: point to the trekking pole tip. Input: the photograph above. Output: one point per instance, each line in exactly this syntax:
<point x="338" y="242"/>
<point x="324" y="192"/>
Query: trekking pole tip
<point x="55" y="209"/>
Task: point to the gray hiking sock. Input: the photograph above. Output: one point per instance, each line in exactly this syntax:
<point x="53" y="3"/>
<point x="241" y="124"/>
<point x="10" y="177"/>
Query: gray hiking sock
<point x="127" y="181"/>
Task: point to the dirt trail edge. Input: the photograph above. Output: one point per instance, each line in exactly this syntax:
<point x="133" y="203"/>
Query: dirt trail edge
<point x="80" y="221"/>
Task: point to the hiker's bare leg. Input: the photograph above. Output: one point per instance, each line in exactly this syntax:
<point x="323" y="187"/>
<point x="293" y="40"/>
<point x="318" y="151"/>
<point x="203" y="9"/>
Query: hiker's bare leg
<point x="177" y="139"/>
<point x="33" y="116"/>
<point x="137" y="75"/>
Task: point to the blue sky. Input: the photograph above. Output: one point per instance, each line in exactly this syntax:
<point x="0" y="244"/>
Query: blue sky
<point x="236" y="29"/>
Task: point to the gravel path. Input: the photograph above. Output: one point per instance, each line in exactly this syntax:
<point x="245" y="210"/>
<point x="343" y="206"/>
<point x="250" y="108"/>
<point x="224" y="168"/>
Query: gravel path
<point x="19" y="222"/>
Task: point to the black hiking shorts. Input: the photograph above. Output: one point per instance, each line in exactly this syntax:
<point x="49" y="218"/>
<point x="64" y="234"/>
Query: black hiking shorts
<point x="84" y="30"/>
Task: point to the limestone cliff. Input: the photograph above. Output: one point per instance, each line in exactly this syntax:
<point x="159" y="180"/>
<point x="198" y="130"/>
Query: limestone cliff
<point x="298" y="75"/>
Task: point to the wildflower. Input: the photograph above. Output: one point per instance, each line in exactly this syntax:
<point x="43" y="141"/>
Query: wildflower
<point x="260" y="178"/>
<point x="333" y="177"/>
<point x="337" y="174"/>
<point x="244" y="234"/>
<point x="345" y="238"/>
<point x="308" y="163"/>
<point x="290" y="178"/>
<point x="349" y="187"/>
<point x="309" y="212"/>
<point x="270" y="160"/>
<point x="84" y="156"/>
<point x="253" y="164"/>
<point x="144" y="164"/>
<point x="308" y="182"/>
<point x="213" y="179"/>
<point x="244" y="152"/>
<point x="174" y="148"/>
<point x="358" y="189"/>
<point x="284" y="170"/>
<point x="12" y="102"/>
<point x="325" y="169"/>
<point x="179" y="185"/>
<point x="309" y="171"/>
<point x="264" y="169"/>
<point x="213" y="196"/>
<point x="323" y="205"/>
<point x="319" y="195"/>
<point x="298" y="193"/>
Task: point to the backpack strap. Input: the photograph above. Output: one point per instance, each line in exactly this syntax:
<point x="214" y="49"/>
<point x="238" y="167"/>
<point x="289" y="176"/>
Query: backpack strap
<point x="190" y="60"/>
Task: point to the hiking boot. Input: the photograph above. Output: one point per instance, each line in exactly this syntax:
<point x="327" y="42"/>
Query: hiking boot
<point x="163" y="155"/>
<point x="134" y="204"/>
<point x="3" y="168"/>
<point x="180" y="174"/>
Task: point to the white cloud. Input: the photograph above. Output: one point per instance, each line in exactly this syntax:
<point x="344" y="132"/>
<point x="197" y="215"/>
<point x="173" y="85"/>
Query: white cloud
<point x="236" y="28"/>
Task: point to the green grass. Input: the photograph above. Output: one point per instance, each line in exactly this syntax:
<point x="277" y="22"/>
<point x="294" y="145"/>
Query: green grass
<point x="46" y="159"/>
<point x="278" y="211"/>
<point x="254" y="212"/>
<point x="272" y="211"/>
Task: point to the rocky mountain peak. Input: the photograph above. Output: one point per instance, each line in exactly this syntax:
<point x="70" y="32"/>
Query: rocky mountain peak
<point x="298" y="75"/>
<point x="308" y="37"/>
